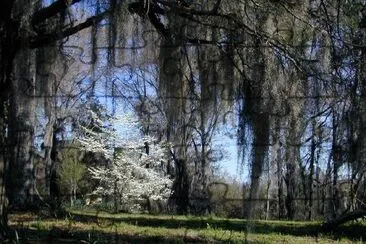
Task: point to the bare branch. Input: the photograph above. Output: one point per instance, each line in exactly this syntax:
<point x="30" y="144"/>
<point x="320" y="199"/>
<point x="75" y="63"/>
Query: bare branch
<point x="47" y="39"/>
<point x="51" y="10"/>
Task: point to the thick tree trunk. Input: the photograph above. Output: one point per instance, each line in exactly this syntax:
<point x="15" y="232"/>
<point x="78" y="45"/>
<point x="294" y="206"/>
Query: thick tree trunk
<point x="48" y="79"/>
<point x="181" y="187"/>
<point x="20" y="177"/>
<point x="260" y="150"/>
<point x="361" y="155"/>
<point x="7" y="52"/>
<point x="174" y="94"/>
<point x="173" y="89"/>
<point x="49" y="147"/>
<point x="3" y="199"/>
<point x="21" y="130"/>
<point x="257" y="113"/>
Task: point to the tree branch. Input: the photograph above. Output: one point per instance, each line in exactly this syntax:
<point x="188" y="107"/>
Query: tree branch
<point x="327" y="226"/>
<point x="52" y="10"/>
<point x="47" y="39"/>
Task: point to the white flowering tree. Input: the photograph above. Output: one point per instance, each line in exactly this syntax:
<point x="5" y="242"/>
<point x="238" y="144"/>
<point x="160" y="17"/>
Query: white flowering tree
<point x="136" y="171"/>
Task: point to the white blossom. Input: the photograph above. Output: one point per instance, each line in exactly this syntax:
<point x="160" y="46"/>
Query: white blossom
<point x="133" y="173"/>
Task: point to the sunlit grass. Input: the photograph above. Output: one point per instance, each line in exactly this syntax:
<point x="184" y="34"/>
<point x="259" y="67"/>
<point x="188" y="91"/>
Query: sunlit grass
<point x="137" y="228"/>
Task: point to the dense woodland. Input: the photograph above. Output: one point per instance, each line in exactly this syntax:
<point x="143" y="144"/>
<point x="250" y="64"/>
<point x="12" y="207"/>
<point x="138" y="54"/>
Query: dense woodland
<point x="289" y="76"/>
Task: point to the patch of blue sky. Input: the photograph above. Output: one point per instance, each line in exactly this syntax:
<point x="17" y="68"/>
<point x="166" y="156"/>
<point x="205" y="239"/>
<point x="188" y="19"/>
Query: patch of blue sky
<point x="230" y="164"/>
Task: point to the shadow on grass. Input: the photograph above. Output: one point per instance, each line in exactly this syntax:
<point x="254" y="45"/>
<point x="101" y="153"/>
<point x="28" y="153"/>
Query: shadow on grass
<point x="56" y="235"/>
<point x="32" y="231"/>
<point x="352" y="231"/>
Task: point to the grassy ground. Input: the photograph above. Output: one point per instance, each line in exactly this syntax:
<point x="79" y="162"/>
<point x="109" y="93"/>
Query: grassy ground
<point x="98" y="227"/>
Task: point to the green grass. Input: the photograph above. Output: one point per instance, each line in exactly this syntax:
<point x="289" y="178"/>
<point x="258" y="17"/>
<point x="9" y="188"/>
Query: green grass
<point x="101" y="227"/>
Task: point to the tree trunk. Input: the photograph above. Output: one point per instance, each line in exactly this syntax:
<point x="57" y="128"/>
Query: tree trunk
<point x="47" y="78"/>
<point x="173" y="90"/>
<point x="292" y="163"/>
<point x="7" y="52"/>
<point x="71" y="197"/>
<point x="278" y="163"/>
<point x="181" y="187"/>
<point x="257" y="112"/>
<point x="361" y="154"/>
<point x="48" y="147"/>
<point x="21" y="130"/>
<point x="311" y="174"/>
<point x="260" y="149"/>
<point x="268" y="195"/>
<point x="3" y="199"/>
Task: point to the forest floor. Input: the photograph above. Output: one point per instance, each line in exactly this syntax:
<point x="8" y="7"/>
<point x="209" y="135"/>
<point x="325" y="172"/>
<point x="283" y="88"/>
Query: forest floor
<point x="99" y="227"/>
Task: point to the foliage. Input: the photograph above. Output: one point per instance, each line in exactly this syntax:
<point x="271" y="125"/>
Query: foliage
<point x="137" y="164"/>
<point x="71" y="171"/>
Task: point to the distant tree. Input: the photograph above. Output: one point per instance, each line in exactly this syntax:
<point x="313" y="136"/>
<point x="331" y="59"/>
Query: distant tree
<point x="137" y="169"/>
<point x="72" y="172"/>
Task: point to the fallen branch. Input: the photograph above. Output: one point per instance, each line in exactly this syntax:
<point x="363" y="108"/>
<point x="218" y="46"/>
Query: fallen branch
<point x="327" y="226"/>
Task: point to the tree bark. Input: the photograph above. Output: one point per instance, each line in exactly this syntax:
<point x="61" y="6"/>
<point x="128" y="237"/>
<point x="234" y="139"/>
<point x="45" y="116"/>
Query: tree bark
<point x="260" y="149"/>
<point x="3" y="166"/>
<point x="173" y="89"/>
<point x="21" y="130"/>
<point x="7" y="52"/>
<point x="292" y="157"/>
<point x="22" y="106"/>
<point x="181" y="187"/>
<point x="311" y="173"/>
<point x="277" y="158"/>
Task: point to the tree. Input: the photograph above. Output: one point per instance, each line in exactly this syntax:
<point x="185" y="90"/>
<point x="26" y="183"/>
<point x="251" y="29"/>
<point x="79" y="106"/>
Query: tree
<point x="71" y="171"/>
<point x="137" y="165"/>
